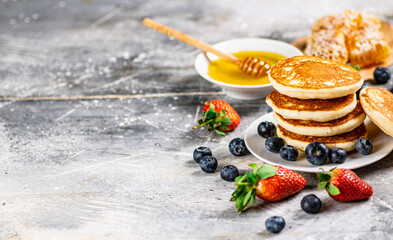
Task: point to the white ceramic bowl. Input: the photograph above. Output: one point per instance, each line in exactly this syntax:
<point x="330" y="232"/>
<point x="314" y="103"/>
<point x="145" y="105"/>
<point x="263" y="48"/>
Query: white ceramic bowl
<point x="245" y="92"/>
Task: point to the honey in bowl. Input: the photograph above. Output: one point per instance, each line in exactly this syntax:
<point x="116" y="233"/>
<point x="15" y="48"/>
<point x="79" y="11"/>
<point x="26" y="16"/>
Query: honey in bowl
<point x="224" y="71"/>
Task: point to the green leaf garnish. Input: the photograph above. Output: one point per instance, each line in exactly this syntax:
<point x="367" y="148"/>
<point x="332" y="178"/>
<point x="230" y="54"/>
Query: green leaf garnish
<point x="333" y="190"/>
<point x="354" y="67"/>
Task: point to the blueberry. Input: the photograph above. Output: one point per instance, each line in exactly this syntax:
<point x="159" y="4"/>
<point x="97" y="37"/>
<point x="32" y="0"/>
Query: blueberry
<point x="200" y="152"/>
<point x="266" y="129"/>
<point x="337" y="155"/>
<point x="269" y="109"/>
<point x="275" y="224"/>
<point x="365" y="85"/>
<point x="311" y="203"/>
<point x="316" y="153"/>
<point x="289" y="153"/>
<point x="208" y="164"/>
<point x="229" y="173"/>
<point x="382" y="74"/>
<point x="364" y="146"/>
<point x="274" y="144"/>
<point x="237" y="147"/>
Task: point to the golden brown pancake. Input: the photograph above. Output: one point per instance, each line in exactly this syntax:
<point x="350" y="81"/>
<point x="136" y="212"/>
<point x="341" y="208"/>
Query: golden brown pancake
<point x="345" y="141"/>
<point x="308" y="77"/>
<point x="378" y="105"/>
<point x="311" y="109"/>
<point x="313" y="128"/>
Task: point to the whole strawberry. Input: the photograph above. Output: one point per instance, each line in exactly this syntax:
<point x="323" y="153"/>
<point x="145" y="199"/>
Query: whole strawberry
<point x="344" y="185"/>
<point x="219" y="116"/>
<point x="270" y="183"/>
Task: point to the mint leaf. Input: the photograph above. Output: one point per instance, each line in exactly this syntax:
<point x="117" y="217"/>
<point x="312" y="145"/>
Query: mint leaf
<point x="254" y="166"/>
<point x="354" y="67"/>
<point x="333" y="190"/>
<point x="266" y="171"/>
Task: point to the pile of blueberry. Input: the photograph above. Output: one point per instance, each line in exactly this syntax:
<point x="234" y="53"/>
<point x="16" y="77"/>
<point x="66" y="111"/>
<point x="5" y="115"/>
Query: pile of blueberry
<point x="316" y="152"/>
<point x="208" y="163"/>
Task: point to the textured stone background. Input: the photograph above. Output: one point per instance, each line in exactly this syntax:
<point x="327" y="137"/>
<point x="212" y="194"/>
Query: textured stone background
<point x="123" y="168"/>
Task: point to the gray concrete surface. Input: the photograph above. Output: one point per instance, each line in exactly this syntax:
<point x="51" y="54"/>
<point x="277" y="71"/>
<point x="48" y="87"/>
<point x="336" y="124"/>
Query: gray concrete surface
<point x="122" y="168"/>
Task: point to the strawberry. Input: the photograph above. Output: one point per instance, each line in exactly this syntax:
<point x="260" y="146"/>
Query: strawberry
<point x="344" y="185"/>
<point x="270" y="183"/>
<point x="219" y="116"/>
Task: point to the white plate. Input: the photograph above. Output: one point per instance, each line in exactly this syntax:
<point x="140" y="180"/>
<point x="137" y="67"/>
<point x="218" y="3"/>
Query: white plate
<point x="382" y="146"/>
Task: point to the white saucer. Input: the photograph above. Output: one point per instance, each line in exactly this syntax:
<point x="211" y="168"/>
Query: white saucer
<point x="382" y="146"/>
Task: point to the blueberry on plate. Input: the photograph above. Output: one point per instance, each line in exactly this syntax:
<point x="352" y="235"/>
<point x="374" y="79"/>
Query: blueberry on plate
<point x="337" y="155"/>
<point x="269" y="109"/>
<point x="266" y="129"/>
<point x="311" y="203"/>
<point x="237" y="147"/>
<point x="289" y="153"/>
<point x="364" y="146"/>
<point x="229" y="173"/>
<point x="316" y="153"/>
<point x="274" y="144"/>
<point x="200" y="152"/>
<point x="382" y="75"/>
<point x="275" y="224"/>
<point x="208" y="164"/>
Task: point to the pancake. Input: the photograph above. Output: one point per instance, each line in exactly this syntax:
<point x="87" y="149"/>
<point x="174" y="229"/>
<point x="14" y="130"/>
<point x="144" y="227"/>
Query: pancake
<point x="312" y="128"/>
<point x="345" y="141"/>
<point x="378" y="105"/>
<point x="311" y="109"/>
<point x="308" y="77"/>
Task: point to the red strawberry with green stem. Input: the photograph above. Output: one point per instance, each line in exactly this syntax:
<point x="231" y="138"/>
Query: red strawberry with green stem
<point x="219" y="116"/>
<point x="344" y="185"/>
<point x="270" y="183"/>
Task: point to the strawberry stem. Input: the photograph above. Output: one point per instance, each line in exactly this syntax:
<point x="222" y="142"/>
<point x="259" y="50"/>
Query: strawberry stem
<point x="203" y="124"/>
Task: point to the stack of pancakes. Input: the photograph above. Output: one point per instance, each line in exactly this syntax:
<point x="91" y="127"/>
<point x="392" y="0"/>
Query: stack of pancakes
<point x="315" y="100"/>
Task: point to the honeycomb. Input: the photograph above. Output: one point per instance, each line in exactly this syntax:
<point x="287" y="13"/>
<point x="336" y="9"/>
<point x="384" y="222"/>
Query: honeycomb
<point x="349" y="37"/>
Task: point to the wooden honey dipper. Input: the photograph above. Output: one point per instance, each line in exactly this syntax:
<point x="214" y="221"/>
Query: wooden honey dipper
<point x="250" y="65"/>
